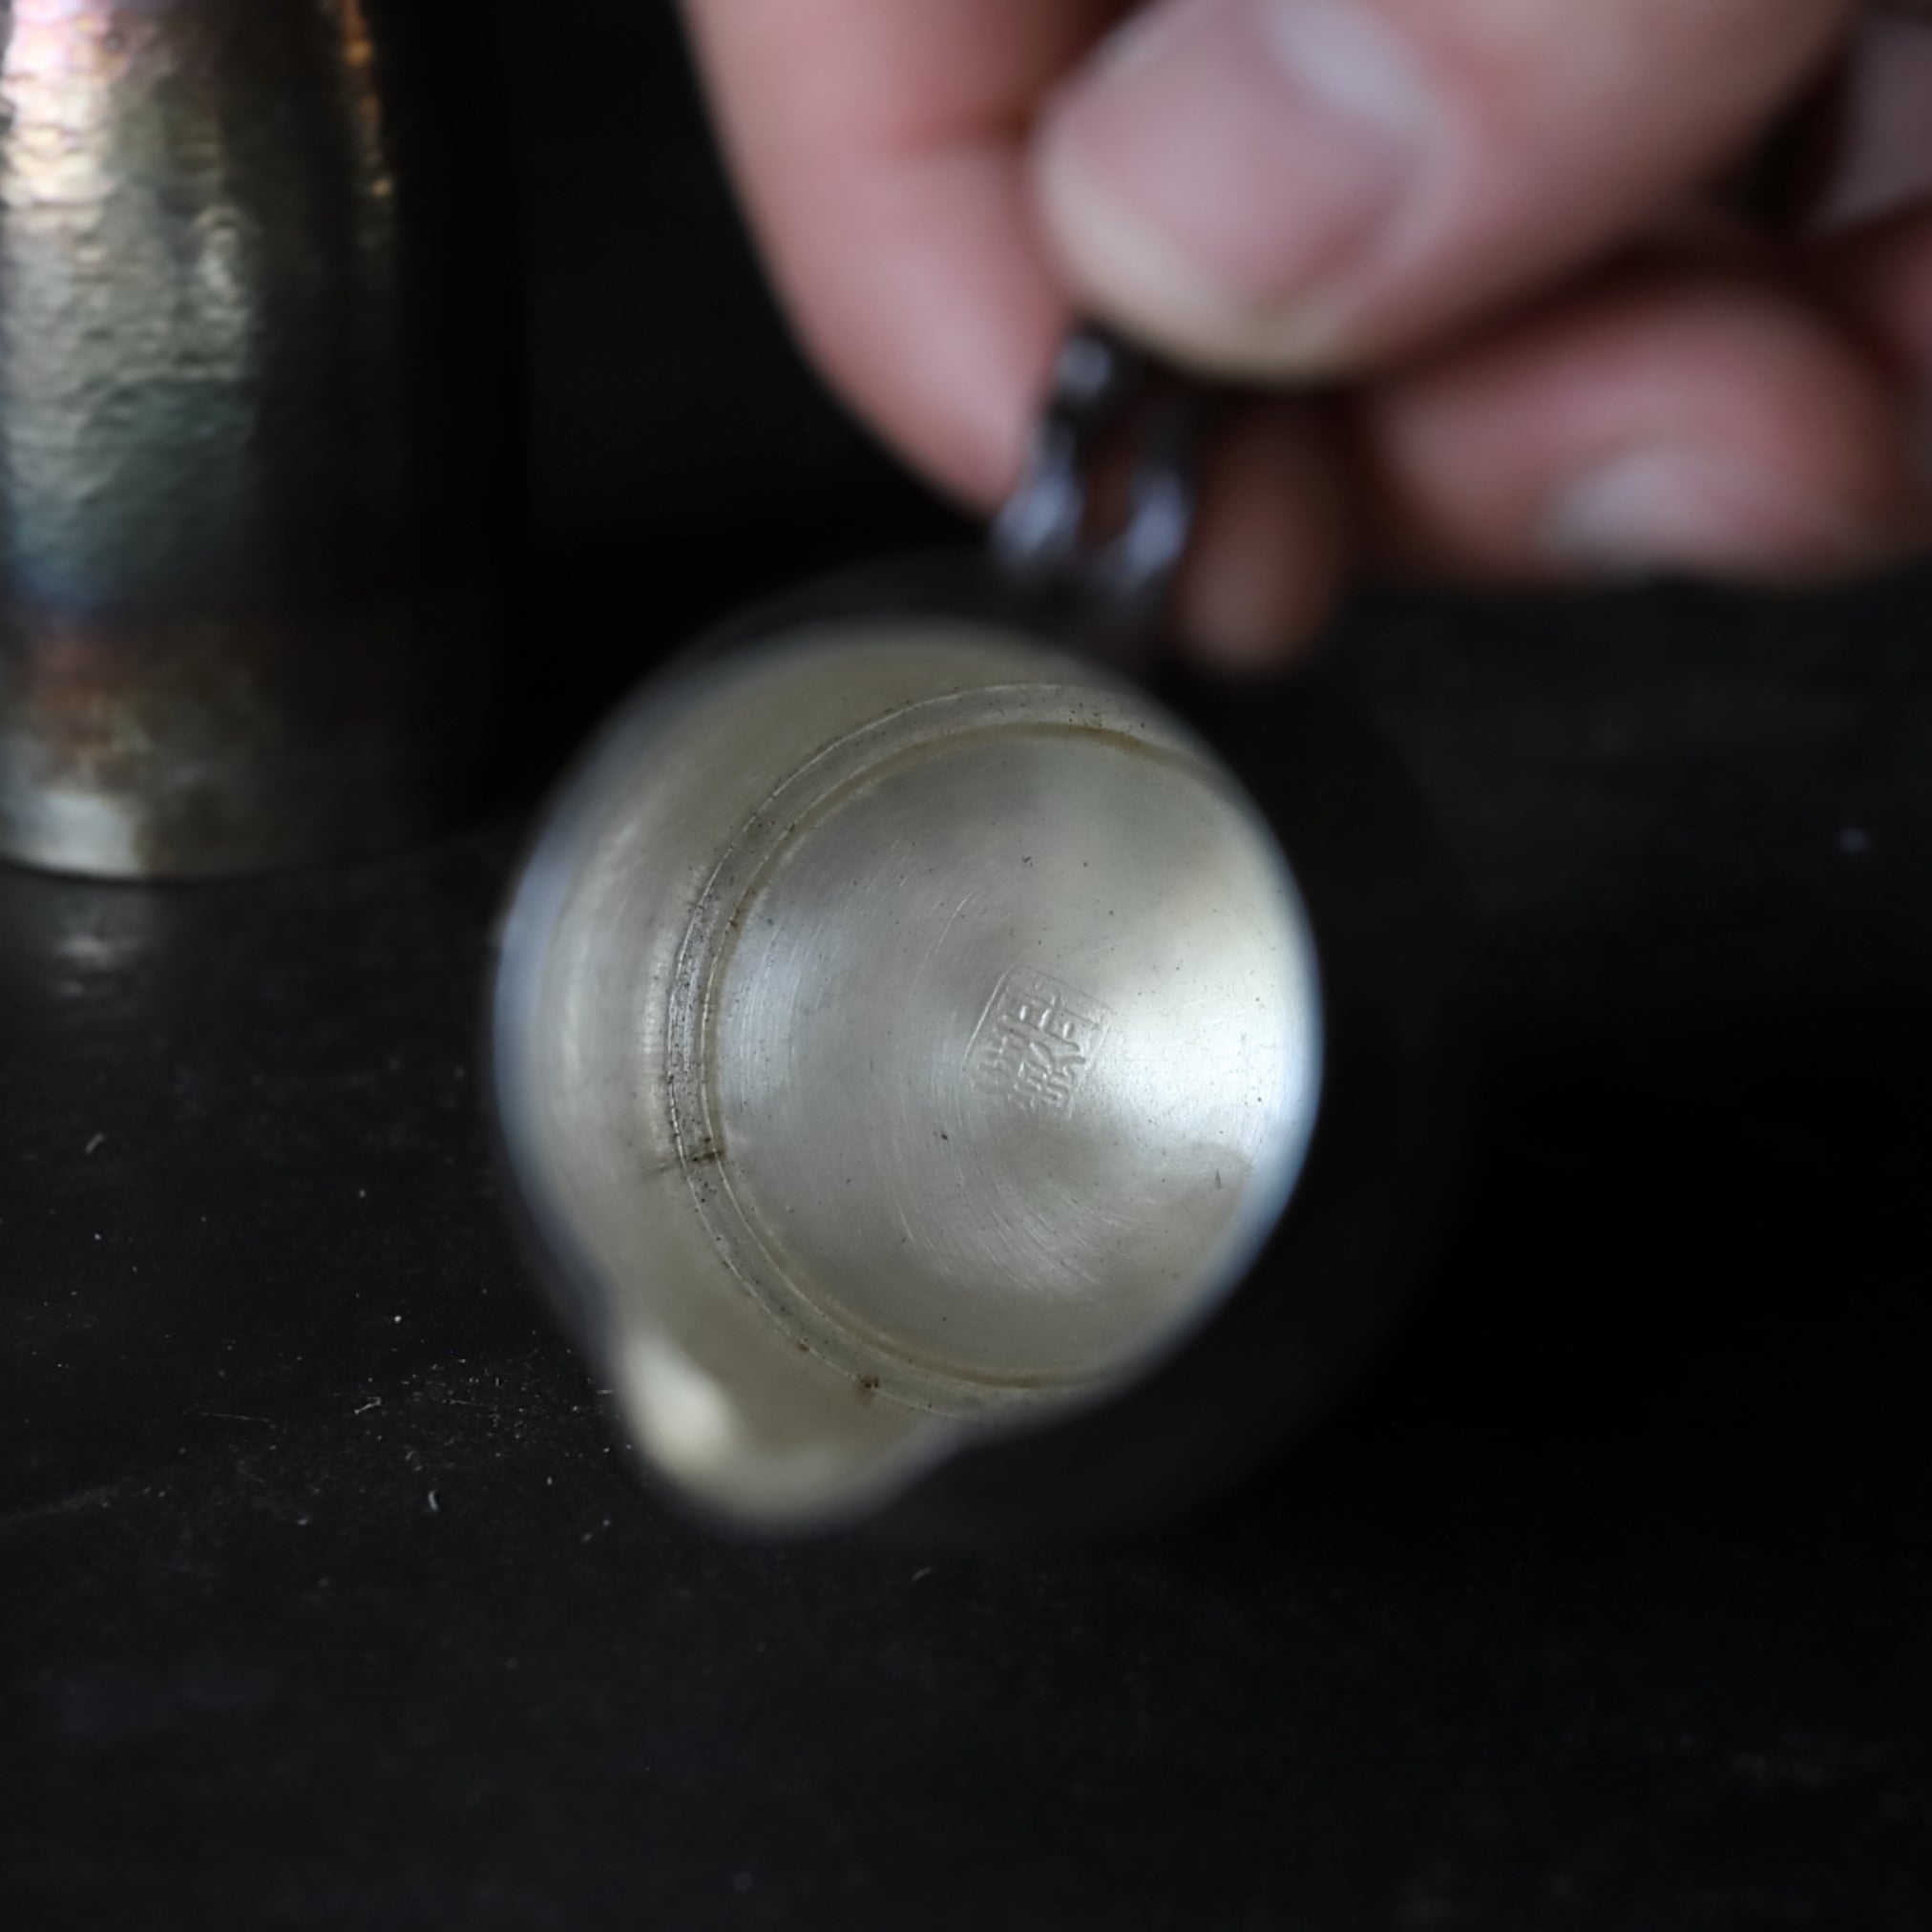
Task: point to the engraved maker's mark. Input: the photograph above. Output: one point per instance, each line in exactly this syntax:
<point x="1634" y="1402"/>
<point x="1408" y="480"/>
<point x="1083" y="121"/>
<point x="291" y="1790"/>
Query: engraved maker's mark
<point x="1036" y="1043"/>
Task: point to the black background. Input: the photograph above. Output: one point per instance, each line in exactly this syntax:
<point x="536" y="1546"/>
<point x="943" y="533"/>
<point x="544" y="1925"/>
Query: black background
<point x="325" y="1598"/>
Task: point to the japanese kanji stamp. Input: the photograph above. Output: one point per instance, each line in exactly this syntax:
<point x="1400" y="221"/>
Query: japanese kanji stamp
<point x="1037" y="1043"/>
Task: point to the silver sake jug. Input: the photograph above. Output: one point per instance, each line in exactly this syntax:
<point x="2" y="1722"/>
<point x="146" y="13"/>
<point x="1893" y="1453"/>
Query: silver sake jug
<point x="945" y="1076"/>
<point x="944" y="1080"/>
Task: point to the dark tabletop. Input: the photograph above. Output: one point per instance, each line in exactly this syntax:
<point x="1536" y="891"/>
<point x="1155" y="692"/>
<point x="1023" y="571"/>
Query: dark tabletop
<point x="326" y="1595"/>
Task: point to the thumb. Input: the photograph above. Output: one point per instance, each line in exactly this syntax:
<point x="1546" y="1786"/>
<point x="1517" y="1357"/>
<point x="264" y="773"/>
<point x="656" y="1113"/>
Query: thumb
<point x="1289" y="187"/>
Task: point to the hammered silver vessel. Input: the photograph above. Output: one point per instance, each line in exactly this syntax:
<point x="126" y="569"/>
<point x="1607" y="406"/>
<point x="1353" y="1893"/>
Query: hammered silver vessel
<point x="254" y="398"/>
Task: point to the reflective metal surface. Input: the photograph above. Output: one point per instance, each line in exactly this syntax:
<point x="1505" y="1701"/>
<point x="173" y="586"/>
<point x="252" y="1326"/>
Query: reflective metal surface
<point x="253" y="398"/>
<point x="994" y="1039"/>
<point x="906" y="1036"/>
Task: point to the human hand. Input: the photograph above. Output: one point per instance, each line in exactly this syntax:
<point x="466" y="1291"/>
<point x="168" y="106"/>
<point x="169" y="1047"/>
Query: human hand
<point x="1474" y="245"/>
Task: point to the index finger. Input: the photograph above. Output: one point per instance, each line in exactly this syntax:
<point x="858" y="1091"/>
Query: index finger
<point x="880" y="151"/>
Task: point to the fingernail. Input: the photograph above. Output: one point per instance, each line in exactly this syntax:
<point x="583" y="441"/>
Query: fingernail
<point x="1654" y="509"/>
<point x="1226" y="158"/>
